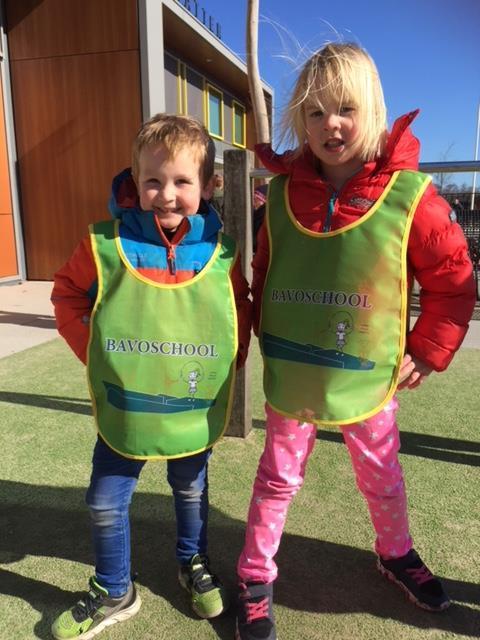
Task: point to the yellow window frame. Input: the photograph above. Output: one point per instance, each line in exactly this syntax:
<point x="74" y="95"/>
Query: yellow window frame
<point x="243" y="144"/>
<point x="210" y="88"/>
<point x="182" y="96"/>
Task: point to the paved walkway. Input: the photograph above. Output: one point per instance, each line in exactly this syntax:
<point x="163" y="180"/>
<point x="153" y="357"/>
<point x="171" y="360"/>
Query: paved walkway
<point x="26" y="318"/>
<point x="472" y="339"/>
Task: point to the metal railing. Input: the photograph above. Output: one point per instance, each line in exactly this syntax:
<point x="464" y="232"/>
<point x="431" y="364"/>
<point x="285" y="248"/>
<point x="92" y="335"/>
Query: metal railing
<point x="461" y="166"/>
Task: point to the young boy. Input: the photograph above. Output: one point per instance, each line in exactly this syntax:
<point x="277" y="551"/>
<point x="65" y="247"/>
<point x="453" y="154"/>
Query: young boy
<point x="154" y="302"/>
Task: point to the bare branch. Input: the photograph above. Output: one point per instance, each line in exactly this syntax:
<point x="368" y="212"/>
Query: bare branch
<point x="256" y="92"/>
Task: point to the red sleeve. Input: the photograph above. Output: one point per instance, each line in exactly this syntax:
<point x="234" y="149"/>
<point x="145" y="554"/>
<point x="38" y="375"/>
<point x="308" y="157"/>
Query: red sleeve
<point x="438" y="257"/>
<point x="244" y="311"/>
<point x="260" y="267"/>
<point x="73" y="297"/>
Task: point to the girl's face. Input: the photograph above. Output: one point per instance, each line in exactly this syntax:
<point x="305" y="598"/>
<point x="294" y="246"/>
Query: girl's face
<point x="331" y="134"/>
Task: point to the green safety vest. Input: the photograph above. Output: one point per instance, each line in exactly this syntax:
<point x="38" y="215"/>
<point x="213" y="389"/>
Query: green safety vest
<point x="161" y="357"/>
<point x="334" y="307"/>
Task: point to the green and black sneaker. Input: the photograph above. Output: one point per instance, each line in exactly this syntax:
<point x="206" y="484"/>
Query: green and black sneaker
<point x="95" y="611"/>
<point x="208" y="595"/>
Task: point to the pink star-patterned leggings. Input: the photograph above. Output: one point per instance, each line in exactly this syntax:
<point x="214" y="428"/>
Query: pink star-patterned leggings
<point x="373" y="446"/>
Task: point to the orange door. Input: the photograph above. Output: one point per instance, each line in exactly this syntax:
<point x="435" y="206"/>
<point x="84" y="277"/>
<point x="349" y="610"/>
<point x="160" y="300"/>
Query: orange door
<point x="8" y="254"/>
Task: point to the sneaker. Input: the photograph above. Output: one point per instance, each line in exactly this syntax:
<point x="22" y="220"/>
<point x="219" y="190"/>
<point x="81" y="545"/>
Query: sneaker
<point x="255" y="619"/>
<point x="414" y="577"/>
<point x="208" y="596"/>
<point x="94" y="612"/>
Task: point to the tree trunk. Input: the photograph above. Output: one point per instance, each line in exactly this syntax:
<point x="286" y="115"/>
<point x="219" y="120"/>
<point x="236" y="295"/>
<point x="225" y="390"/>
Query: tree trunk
<point x="256" y="92"/>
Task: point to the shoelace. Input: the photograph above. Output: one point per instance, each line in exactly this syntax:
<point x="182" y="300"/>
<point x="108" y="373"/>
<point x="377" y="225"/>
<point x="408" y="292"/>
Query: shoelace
<point x="420" y="574"/>
<point x="257" y="610"/>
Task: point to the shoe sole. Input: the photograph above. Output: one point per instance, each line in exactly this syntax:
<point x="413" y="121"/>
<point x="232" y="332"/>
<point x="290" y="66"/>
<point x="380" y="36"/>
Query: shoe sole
<point x="199" y="613"/>
<point x="391" y="576"/>
<point x="120" y="616"/>
<point x="237" y="632"/>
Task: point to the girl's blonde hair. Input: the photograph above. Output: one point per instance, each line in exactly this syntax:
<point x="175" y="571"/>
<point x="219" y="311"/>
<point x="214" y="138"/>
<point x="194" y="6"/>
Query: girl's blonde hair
<point x="346" y="75"/>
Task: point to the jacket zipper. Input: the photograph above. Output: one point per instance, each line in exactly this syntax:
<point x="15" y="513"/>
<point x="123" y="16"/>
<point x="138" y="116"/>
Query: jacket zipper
<point x="171" y="259"/>
<point x="331" y="204"/>
<point x="171" y="262"/>
<point x="331" y="210"/>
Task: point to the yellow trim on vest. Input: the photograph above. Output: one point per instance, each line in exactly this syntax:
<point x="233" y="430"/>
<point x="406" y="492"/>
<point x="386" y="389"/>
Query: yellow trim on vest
<point x="161" y="285"/>
<point x="329" y="234"/>
<point x="157" y="458"/>
<point x="93" y="243"/>
<point x="234" y="308"/>
<point x="228" y="411"/>
<point x="404" y="292"/>
<point x="403" y="311"/>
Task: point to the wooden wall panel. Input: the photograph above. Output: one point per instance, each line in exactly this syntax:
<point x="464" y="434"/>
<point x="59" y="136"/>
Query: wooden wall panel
<point x="75" y="119"/>
<point x="46" y="28"/>
<point x="76" y="89"/>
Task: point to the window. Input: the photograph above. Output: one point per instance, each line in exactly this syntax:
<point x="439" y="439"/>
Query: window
<point x="214" y="100"/>
<point x="182" y="89"/>
<point x="238" y="124"/>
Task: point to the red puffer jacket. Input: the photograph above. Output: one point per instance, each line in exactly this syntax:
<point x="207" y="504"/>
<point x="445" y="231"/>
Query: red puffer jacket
<point x="437" y="250"/>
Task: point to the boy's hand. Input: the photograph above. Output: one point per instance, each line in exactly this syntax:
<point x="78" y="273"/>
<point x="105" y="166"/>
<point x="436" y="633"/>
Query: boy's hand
<point x="412" y="372"/>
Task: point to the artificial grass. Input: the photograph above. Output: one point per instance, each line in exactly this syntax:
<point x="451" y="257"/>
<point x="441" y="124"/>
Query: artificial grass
<point x="328" y="586"/>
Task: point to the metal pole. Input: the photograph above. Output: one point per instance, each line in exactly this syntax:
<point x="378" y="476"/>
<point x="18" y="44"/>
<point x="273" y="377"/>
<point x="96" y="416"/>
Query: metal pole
<point x="474" y="182"/>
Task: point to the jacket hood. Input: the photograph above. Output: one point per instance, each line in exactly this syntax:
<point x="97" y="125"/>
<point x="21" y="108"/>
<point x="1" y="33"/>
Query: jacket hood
<point x="124" y="204"/>
<point x="401" y="152"/>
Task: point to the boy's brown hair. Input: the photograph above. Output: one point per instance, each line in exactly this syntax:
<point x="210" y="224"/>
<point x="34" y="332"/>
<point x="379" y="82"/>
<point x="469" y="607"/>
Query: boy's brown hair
<point x="176" y="132"/>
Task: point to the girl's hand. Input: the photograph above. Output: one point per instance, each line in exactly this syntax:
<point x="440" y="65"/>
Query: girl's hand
<point x="412" y="372"/>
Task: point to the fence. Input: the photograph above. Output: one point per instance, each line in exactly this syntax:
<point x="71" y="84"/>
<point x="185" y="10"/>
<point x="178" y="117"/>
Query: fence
<point x="239" y="173"/>
<point x="462" y="198"/>
<point x="469" y="220"/>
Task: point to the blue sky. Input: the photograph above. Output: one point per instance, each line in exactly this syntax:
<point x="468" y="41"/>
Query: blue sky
<point x="427" y="53"/>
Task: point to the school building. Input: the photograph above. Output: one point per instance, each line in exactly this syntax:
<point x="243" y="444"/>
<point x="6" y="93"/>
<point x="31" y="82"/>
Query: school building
<point x="77" y="79"/>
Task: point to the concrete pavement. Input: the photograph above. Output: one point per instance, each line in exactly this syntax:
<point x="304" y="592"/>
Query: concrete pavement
<point x="26" y="318"/>
<point x="472" y="339"/>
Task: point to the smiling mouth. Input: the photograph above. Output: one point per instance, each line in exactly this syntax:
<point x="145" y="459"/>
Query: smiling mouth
<point x="166" y="212"/>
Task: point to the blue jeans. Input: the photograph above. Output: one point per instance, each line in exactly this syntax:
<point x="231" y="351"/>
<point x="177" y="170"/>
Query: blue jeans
<point x="112" y="484"/>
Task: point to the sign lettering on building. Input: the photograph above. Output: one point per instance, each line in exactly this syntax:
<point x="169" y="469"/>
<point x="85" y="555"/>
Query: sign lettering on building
<point x="201" y="14"/>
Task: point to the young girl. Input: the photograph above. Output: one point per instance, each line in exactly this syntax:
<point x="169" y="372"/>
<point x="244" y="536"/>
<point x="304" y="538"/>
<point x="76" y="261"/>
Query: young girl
<point x="350" y="222"/>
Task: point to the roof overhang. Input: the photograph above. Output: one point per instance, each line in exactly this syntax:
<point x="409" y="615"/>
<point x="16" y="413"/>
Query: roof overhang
<point x="193" y="42"/>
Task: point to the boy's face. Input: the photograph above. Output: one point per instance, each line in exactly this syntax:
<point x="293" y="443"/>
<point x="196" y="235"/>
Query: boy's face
<point x="169" y="186"/>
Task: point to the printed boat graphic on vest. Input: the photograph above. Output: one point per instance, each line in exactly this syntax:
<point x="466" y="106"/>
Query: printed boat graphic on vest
<point x="276" y="347"/>
<point x="146" y="403"/>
